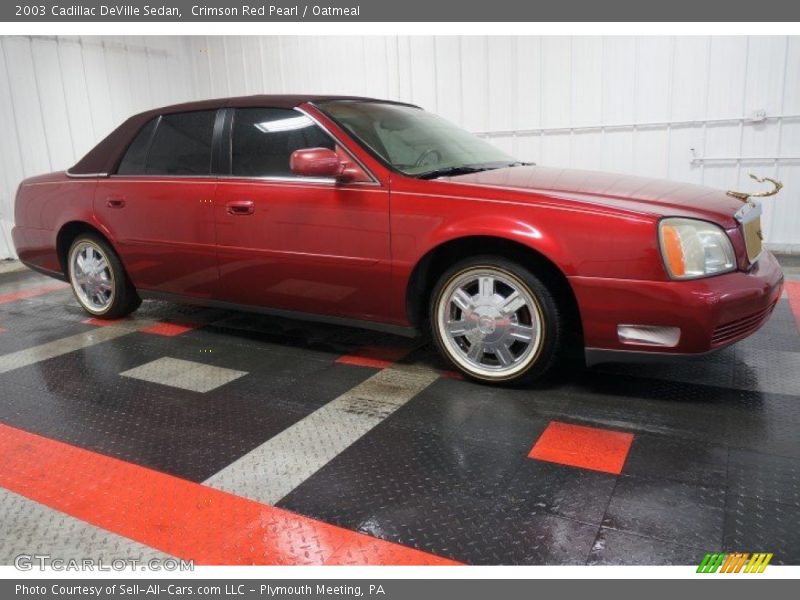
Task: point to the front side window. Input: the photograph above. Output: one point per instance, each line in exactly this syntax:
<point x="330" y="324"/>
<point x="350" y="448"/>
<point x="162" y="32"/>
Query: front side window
<point x="413" y="141"/>
<point x="263" y="140"/>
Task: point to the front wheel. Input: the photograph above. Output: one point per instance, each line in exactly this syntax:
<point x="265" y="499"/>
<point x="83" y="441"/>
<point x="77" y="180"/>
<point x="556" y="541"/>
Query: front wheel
<point x="495" y="321"/>
<point x="98" y="279"/>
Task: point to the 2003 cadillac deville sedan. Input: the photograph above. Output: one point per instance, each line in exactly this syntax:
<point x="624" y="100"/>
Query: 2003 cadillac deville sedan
<point x="379" y="213"/>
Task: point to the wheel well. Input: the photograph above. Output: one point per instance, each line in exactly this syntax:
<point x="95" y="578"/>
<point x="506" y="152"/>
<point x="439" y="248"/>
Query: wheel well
<point x="438" y="260"/>
<point x="67" y="234"/>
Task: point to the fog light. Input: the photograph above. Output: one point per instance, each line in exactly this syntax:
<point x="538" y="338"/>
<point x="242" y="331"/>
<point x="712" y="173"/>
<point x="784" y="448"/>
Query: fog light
<point x="649" y="335"/>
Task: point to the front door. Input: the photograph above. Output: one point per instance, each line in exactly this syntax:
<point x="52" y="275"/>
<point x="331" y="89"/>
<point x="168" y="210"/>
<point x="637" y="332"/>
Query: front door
<point x="297" y="244"/>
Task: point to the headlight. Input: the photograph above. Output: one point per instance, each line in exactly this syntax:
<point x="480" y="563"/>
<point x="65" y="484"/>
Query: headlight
<point x="693" y="248"/>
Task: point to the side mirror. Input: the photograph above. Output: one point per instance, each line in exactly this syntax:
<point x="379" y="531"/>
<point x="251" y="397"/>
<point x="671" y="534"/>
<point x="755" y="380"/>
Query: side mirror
<point x="318" y="162"/>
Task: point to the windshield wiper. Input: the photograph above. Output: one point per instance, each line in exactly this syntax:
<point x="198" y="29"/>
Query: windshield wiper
<point x="466" y="169"/>
<point x="451" y="171"/>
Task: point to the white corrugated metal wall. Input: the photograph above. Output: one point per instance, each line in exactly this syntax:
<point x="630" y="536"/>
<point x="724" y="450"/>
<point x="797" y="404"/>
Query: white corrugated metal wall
<point x="702" y="109"/>
<point x="61" y="95"/>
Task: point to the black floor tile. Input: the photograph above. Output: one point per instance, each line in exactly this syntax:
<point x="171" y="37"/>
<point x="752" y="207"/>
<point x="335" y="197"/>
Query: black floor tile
<point x="390" y="463"/>
<point x="661" y="457"/>
<point x="645" y="415"/>
<point x="540" y="487"/>
<point x="536" y="539"/>
<point x="24" y="330"/>
<point x="168" y="430"/>
<point x="764" y="477"/>
<point x="614" y="547"/>
<point x="682" y="513"/>
<point x="479" y="413"/>
<point x="753" y="525"/>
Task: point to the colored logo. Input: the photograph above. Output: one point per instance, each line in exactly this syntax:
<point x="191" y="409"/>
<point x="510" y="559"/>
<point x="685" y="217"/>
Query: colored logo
<point x="735" y="562"/>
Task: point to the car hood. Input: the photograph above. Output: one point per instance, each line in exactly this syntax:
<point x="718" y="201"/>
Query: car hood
<point x="622" y="192"/>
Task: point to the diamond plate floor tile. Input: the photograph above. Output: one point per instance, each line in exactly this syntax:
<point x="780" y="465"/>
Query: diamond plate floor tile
<point x="686" y="514"/>
<point x="165" y="428"/>
<point x="764" y="477"/>
<point x="778" y="333"/>
<point x="299" y="336"/>
<point x="665" y="417"/>
<point x="30" y="528"/>
<point x="535" y="539"/>
<point x="713" y="369"/>
<point x="767" y="370"/>
<point x="391" y="463"/>
<point x="556" y="489"/>
<point x="660" y="457"/>
<point x="764" y="434"/>
<point x="753" y="525"/>
<point x="477" y="531"/>
<point x="592" y="448"/>
<point x="196" y="522"/>
<point x="491" y="415"/>
<point x="614" y="547"/>
<point x="25" y="331"/>
<point x="184" y="374"/>
<point x="274" y="469"/>
<point x="59" y="347"/>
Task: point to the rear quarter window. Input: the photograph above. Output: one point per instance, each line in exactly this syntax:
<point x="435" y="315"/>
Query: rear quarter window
<point x="133" y="163"/>
<point x="176" y="144"/>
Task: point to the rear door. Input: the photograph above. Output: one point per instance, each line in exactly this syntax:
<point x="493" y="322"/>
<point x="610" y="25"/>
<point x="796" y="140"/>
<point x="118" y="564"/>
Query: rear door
<point x="309" y="245"/>
<point x="159" y="205"/>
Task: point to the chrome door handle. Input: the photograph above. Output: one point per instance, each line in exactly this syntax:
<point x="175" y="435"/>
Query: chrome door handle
<point x="240" y="207"/>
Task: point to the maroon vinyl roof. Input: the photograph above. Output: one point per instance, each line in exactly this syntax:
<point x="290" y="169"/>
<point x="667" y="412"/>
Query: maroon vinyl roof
<point x="105" y="156"/>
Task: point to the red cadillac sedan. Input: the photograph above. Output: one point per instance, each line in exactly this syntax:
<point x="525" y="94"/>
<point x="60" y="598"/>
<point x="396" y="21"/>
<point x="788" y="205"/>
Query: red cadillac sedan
<point x="380" y="214"/>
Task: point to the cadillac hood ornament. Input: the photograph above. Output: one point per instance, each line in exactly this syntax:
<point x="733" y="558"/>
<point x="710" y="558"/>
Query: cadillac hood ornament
<point x="744" y="196"/>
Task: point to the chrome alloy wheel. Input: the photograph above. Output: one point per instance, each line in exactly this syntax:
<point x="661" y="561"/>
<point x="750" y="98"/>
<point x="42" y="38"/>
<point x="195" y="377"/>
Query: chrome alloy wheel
<point x="91" y="277"/>
<point x="490" y="323"/>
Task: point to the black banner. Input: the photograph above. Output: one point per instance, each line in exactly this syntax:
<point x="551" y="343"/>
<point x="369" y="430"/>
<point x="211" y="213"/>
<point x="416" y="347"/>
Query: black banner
<point x="388" y="589"/>
<point x="394" y="11"/>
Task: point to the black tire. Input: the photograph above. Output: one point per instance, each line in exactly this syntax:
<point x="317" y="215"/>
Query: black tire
<point x="123" y="297"/>
<point x="541" y="357"/>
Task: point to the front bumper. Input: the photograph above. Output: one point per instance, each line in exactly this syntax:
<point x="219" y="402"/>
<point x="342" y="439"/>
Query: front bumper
<point x="711" y="313"/>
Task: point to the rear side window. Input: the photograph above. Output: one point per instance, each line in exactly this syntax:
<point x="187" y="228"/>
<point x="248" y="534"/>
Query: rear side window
<point x="178" y="144"/>
<point x="182" y="144"/>
<point x="133" y="163"/>
<point x="264" y="139"/>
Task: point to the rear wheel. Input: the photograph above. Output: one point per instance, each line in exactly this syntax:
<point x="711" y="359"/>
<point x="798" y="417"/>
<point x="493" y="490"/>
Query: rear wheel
<point x="98" y="279"/>
<point x="495" y="321"/>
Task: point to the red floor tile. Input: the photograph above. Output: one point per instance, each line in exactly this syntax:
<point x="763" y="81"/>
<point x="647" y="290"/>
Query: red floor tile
<point x="793" y="291"/>
<point x="585" y="447"/>
<point x="180" y="517"/>
<point x="375" y="357"/>
<point x="31" y="292"/>
<point x="170" y="329"/>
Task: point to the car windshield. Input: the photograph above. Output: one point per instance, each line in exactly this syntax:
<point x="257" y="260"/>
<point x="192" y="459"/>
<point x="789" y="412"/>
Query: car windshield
<point x="415" y="142"/>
